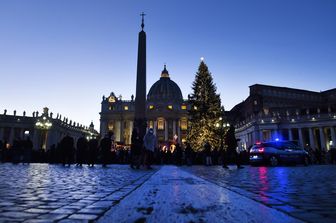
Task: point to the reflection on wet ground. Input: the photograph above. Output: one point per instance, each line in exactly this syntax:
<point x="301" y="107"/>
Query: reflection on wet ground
<point x="307" y="193"/>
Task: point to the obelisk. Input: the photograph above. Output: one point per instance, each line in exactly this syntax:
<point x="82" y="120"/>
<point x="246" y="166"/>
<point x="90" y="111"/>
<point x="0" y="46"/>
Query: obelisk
<point x="140" y="121"/>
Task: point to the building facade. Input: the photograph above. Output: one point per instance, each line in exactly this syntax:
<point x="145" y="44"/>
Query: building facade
<point x="280" y="113"/>
<point x="44" y="130"/>
<point x="166" y="112"/>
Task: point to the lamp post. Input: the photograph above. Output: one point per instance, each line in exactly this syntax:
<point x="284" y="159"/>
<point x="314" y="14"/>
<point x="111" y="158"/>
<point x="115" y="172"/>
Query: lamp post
<point x="44" y="124"/>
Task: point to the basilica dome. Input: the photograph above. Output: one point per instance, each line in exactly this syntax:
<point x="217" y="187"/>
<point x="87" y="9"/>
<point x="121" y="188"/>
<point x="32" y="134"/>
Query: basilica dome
<point x="165" y="89"/>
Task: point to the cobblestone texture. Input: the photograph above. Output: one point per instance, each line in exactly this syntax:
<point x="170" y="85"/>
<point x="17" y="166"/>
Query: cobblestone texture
<point x="307" y="193"/>
<point x="49" y="193"/>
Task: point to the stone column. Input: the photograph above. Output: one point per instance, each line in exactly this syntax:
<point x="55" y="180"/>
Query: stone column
<point x="290" y="134"/>
<point x="311" y="138"/>
<point x="36" y="143"/>
<point x="300" y="137"/>
<point x="131" y="130"/>
<point x="255" y="136"/>
<point x="116" y="131"/>
<point x="174" y="127"/>
<point x="166" y="130"/>
<point x="261" y="138"/>
<point x="179" y="132"/>
<point x="103" y="128"/>
<point x="333" y="136"/>
<point x="322" y="138"/>
<point x="1" y="133"/>
<point x="22" y="134"/>
<point x="122" y="130"/>
<point x="11" y="136"/>
<point x="155" y="127"/>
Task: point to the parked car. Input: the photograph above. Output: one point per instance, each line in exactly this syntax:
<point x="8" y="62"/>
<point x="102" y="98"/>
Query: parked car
<point x="278" y="152"/>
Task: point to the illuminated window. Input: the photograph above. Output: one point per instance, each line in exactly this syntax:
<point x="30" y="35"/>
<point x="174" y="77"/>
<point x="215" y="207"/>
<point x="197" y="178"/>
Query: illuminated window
<point x="170" y="107"/>
<point x="125" y="107"/>
<point x="183" y="107"/>
<point x="160" y="123"/>
<point x="184" y="124"/>
<point x="111" y="126"/>
<point x="151" y="124"/>
<point x="151" y="107"/>
<point x="111" y="99"/>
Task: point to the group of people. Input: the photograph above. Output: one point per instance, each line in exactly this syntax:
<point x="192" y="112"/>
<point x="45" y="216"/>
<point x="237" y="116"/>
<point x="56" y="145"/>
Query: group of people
<point x="144" y="151"/>
<point x="20" y="152"/>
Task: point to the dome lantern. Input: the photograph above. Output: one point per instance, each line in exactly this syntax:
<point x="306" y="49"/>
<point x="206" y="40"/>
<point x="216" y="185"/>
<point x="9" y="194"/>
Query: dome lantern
<point x="165" y="73"/>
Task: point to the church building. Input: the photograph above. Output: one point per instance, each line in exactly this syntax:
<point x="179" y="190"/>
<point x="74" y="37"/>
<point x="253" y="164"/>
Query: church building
<point x="166" y="110"/>
<point x="167" y="113"/>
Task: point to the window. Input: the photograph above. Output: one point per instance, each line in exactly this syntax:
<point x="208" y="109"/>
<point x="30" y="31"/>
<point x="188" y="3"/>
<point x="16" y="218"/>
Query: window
<point x="151" y="124"/>
<point x="111" y="126"/>
<point x="160" y="124"/>
<point x="112" y="99"/>
<point x="183" y="107"/>
<point x="126" y="107"/>
<point x="170" y="107"/>
<point x="184" y="124"/>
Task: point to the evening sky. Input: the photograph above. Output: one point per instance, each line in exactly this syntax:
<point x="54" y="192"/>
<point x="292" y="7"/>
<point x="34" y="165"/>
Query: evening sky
<point x="67" y="54"/>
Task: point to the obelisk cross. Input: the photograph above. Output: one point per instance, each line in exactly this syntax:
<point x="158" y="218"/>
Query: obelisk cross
<point x="142" y="24"/>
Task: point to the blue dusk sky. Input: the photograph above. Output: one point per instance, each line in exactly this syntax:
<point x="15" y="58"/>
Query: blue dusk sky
<point x="67" y="54"/>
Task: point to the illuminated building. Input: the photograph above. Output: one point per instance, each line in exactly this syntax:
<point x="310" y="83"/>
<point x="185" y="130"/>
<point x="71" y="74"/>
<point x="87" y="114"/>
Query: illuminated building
<point x="280" y="113"/>
<point x="44" y="130"/>
<point x="167" y="112"/>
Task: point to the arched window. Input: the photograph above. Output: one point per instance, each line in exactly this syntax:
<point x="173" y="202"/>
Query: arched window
<point x="161" y="123"/>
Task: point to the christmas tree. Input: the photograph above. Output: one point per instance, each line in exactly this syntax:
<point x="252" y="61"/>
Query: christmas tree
<point x="205" y="111"/>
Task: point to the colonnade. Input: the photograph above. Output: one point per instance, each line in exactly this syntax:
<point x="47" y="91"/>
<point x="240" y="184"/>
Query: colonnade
<point x="122" y="129"/>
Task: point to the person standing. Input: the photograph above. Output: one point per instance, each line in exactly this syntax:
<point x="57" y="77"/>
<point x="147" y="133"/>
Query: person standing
<point x="93" y="151"/>
<point x="27" y="150"/>
<point x="82" y="148"/>
<point x="67" y="145"/>
<point x="188" y="154"/>
<point x="207" y="154"/>
<point x="150" y="143"/>
<point x="105" y="148"/>
<point x="136" y="148"/>
<point x="231" y="150"/>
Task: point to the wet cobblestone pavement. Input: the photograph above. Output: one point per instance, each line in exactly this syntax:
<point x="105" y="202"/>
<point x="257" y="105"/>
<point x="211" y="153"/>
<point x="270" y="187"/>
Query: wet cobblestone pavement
<point x="49" y="193"/>
<point x="53" y="193"/>
<point x="306" y="193"/>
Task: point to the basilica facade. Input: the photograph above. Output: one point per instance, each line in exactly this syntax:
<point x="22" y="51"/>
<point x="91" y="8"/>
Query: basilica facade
<point x="166" y="112"/>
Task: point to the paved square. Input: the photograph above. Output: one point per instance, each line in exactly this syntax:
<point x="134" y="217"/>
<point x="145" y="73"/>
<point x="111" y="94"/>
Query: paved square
<point x="53" y="193"/>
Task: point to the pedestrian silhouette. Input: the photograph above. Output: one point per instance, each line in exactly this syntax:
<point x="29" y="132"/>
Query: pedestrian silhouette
<point x="231" y="150"/>
<point x="93" y="151"/>
<point x="82" y="149"/>
<point x="105" y="148"/>
<point x="150" y="143"/>
<point x="136" y="148"/>
<point x="67" y="147"/>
